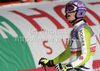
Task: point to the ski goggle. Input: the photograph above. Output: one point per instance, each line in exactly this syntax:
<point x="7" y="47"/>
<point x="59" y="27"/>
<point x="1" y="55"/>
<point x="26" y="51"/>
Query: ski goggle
<point x="70" y="8"/>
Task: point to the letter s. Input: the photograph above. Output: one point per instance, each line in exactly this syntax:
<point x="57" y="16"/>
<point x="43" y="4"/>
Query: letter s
<point x="47" y="47"/>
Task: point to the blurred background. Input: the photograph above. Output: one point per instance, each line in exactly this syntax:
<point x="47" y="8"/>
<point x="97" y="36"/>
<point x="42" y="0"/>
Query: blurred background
<point x="6" y="2"/>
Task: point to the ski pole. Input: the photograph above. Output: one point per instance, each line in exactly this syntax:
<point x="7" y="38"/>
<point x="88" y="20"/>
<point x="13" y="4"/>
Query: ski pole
<point x="44" y="65"/>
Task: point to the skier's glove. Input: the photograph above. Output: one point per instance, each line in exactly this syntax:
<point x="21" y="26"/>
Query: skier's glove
<point x="46" y="62"/>
<point x="63" y="67"/>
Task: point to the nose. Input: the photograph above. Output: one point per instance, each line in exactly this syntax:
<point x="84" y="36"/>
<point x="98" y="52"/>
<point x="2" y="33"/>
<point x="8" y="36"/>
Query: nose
<point x="67" y="12"/>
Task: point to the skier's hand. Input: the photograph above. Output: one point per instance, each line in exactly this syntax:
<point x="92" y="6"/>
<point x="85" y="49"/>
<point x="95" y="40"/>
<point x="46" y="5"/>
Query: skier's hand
<point x="63" y="67"/>
<point x="46" y="62"/>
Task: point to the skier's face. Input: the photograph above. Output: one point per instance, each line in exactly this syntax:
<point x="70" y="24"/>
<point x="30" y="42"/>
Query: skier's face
<point x="71" y="16"/>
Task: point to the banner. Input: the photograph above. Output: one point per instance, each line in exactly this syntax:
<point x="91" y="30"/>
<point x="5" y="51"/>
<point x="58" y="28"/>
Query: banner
<point x="30" y="31"/>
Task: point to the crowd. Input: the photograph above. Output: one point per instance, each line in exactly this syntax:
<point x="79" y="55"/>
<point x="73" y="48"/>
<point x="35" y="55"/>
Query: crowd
<point x="6" y="2"/>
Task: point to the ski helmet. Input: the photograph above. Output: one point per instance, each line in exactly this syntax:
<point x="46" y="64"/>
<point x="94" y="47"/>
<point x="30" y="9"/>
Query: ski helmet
<point x="76" y="5"/>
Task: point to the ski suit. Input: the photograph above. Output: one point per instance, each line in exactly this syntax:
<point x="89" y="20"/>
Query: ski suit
<point x="80" y="49"/>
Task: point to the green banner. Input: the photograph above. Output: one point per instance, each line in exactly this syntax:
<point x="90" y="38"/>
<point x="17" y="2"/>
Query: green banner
<point x="14" y="54"/>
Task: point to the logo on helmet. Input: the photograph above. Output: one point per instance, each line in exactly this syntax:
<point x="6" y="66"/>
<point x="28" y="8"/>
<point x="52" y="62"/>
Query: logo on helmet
<point x="81" y="5"/>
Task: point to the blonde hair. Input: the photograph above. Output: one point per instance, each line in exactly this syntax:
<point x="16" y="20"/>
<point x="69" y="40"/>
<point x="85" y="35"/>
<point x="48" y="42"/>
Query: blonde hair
<point x="85" y="20"/>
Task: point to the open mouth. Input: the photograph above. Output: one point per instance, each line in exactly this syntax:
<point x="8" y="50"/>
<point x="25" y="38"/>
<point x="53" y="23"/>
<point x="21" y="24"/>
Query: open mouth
<point x="68" y="15"/>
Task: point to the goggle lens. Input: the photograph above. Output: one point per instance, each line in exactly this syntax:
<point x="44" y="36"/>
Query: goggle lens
<point x="70" y="8"/>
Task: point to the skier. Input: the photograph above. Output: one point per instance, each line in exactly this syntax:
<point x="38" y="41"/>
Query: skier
<point x="82" y="42"/>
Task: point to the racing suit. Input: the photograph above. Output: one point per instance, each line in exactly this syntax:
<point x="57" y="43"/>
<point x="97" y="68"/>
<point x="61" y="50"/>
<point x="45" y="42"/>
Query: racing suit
<point x="80" y="49"/>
